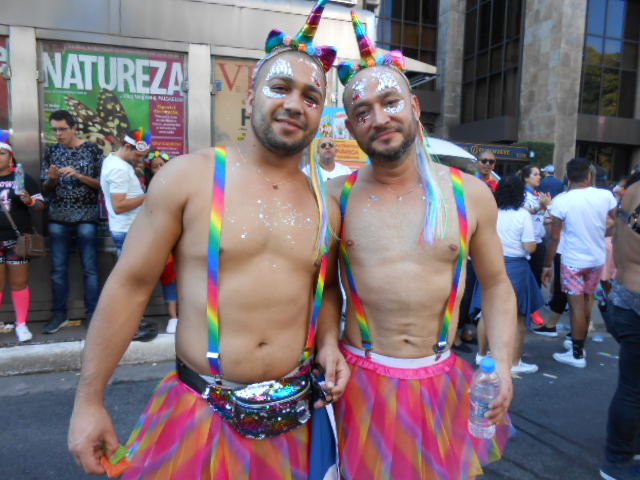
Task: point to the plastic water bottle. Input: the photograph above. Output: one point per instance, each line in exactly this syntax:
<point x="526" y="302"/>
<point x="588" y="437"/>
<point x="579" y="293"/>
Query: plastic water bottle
<point x="19" y="178"/>
<point x="484" y="390"/>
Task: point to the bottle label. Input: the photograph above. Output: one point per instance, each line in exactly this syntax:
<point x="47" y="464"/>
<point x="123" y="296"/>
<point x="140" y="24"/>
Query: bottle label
<point x="479" y="409"/>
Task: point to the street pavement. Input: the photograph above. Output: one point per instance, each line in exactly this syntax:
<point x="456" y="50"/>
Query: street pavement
<point x="559" y="414"/>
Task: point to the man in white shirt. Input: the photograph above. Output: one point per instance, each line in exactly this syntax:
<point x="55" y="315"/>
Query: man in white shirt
<point x="582" y="215"/>
<point x="122" y="190"/>
<point x="329" y="168"/>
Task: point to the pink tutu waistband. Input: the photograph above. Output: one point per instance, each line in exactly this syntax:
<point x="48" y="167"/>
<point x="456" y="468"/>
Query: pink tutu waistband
<point x="408" y="371"/>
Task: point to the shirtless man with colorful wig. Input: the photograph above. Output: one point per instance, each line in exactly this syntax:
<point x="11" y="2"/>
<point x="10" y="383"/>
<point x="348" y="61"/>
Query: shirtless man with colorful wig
<point x="249" y="234"/>
<point x="407" y="226"/>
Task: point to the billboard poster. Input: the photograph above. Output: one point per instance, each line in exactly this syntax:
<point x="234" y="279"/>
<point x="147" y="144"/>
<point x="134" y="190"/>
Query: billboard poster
<point x="233" y="79"/>
<point x="4" y="84"/>
<point x="112" y="90"/>
<point x="347" y="150"/>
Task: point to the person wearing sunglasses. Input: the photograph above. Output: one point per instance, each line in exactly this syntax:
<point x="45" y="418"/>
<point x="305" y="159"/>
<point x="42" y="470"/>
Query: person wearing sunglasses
<point x="485" y="165"/>
<point x="329" y="168"/>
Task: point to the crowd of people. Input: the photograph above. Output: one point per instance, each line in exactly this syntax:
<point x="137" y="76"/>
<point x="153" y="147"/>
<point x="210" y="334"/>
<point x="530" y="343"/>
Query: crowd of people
<point x="268" y="381"/>
<point x="73" y="173"/>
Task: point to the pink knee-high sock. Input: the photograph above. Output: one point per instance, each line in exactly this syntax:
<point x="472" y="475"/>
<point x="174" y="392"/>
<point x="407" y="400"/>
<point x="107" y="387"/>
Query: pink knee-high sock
<point x="21" y="302"/>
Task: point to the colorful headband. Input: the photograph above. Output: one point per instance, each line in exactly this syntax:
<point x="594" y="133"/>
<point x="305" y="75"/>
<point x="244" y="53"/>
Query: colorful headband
<point x="158" y="153"/>
<point x="4" y="140"/>
<point x="140" y="140"/>
<point x="302" y="42"/>
<point x="346" y="70"/>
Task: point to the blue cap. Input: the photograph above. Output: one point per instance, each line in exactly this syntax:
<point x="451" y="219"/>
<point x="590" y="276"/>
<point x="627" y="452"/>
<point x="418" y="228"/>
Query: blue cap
<point x="488" y="365"/>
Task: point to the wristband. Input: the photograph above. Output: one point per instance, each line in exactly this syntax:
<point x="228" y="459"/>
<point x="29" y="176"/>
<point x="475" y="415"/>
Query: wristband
<point x="33" y="202"/>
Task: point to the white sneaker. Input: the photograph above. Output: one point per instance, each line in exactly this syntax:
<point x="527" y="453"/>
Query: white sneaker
<point x="23" y="333"/>
<point x="568" y="359"/>
<point x="523" y="367"/>
<point x="567" y="343"/>
<point x="171" y="325"/>
<point x="480" y="357"/>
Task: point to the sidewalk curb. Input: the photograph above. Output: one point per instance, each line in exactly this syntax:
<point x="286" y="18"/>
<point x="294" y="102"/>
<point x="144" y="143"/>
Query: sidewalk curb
<point x="65" y="356"/>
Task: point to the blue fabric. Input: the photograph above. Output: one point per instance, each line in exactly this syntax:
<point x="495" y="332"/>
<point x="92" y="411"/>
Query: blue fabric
<point x="170" y="292"/>
<point x="118" y="240"/>
<point x="60" y="240"/>
<point x="524" y="284"/>
<point x="623" y="426"/>
<point x="323" y="452"/>
<point x="551" y="185"/>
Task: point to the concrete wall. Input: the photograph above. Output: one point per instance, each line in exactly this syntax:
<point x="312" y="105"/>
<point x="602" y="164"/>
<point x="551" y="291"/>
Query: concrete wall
<point x="451" y="20"/>
<point x="551" y="67"/>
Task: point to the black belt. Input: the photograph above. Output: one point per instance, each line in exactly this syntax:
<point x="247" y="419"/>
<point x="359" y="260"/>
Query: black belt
<point x="190" y="377"/>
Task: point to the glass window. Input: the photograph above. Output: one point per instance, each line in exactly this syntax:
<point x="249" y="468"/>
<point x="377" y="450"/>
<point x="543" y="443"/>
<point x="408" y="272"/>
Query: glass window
<point x="430" y="13"/>
<point x="495" y="95"/>
<point x="469" y="70"/>
<point x="593" y="50"/>
<point x="632" y="20"/>
<point x="510" y="95"/>
<point x="514" y="17"/>
<point x="609" y="97"/>
<point x="610" y="59"/>
<point x="482" y="64"/>
<point x="596" y="16"/>
<point x="484" y="25"/>
<point x="480" y="102"/>
<point x="496" y="59"/>
<point x="470" y="33"/>
<point x="467" y="103"/>
<point x="429" y="38"/>
<point x="630" y="56"/>
<point x="612" y="52"/>
<point x="615" y="18"/>
<point x="591" y="89"/>
<point x="396" y="9"/>
<point x="410" y="35"/>
<point x="498" y="24"/>
<point x="628" y="85"/>
<point x="412" y="10"/>
<point x="491" y="74"/>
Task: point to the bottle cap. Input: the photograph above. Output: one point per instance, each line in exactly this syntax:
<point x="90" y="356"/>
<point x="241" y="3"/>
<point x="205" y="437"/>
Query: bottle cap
<point x="488" y="365"/>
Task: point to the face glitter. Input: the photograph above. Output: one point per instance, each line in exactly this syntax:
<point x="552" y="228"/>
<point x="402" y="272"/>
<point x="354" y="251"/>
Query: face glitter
<point x="385" y="81"/>
<point x="364" y="119"/>
<point x="359" y="91"/>
<point x="267" y="92"/>
<point x="279" y="67"/>
<point x="395" y="108"/>
<point x="311" y="104"/>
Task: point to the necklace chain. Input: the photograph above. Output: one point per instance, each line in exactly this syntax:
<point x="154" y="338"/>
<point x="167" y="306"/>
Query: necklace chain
<point x="264" y="176"/>
<point x="400" y="196"/>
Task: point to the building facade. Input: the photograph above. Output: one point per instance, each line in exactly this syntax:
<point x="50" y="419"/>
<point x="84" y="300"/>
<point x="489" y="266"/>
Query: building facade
<point x="560" y="72"/>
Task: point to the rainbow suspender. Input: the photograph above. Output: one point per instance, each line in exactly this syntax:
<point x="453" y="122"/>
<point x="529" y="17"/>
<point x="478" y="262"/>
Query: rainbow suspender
<point x="213" y="270"/>
<point x="365" y="332"/>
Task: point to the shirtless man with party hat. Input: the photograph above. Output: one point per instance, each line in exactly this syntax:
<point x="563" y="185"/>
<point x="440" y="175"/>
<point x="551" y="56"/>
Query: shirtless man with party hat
<point x="249" y="234"/>
<point x="408" y="224"/>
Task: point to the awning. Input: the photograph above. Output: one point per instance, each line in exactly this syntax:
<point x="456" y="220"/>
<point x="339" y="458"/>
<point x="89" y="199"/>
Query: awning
<point x="440" y="147"/>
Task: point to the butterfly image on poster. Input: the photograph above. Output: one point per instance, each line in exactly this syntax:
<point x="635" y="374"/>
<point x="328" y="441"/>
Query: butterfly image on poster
<point x="104" y="126"/>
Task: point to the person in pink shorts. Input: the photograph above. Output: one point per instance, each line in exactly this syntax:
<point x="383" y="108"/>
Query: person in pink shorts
<point x="582" y="216"/>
